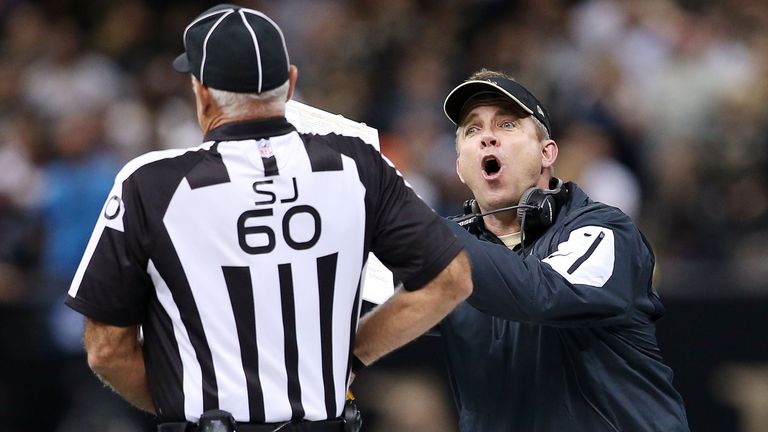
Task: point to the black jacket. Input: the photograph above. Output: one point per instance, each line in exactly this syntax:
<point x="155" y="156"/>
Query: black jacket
<point x="560" y="336"/>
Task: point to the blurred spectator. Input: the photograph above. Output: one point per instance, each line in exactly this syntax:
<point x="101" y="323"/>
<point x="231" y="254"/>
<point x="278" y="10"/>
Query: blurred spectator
<point x="589" y="162"/>
<point x="66" y="77"/>
<point x="20" y="194"/>
<point x="76" y="181"/>
<point x="20" y="146"/>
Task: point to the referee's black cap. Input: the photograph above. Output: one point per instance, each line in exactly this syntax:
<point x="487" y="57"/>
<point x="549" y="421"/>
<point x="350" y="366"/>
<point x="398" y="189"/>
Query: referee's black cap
<point x="457" y="99"/>
<point x="236" y="49"/>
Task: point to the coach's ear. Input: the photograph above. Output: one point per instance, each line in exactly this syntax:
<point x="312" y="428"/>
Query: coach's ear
<point x="549" y="153"/>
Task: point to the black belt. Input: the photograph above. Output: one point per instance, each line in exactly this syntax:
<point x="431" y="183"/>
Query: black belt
<point x="335" y="425"/>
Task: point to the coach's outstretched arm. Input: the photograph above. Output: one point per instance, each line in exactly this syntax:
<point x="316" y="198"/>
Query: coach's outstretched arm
<point x="115" y="356"/>
<point x="408" y="314"/>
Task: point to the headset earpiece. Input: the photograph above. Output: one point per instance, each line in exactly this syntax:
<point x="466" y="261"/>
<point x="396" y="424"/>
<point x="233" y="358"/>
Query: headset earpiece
<point x="536" y="209"/>
<point x="544" y="207"/>
<point x="525" y="199"/>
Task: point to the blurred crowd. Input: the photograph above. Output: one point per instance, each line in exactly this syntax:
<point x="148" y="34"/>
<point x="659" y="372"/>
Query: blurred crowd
<point x="657" y="105"/>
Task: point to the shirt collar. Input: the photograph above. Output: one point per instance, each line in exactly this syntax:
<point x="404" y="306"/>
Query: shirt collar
<point x="250" y="129"/>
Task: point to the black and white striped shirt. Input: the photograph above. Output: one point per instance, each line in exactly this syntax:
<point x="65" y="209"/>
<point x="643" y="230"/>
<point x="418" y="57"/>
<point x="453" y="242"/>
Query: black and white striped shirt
<point x="241" y="259"/>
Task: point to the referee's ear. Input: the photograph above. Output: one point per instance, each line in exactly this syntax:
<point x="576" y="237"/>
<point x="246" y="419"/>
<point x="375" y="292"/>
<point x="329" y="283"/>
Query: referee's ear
<point x="293" y="75"/>
<point x="204" y="104"/>
<point x="203" y="96"/>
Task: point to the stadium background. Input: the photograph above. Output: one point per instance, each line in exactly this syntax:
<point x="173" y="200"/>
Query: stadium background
<point x="658" y="106"/>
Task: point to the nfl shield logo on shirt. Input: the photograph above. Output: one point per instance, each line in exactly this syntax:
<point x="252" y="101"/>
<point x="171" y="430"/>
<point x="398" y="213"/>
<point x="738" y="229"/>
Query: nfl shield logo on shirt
<point x="265" y="148"/>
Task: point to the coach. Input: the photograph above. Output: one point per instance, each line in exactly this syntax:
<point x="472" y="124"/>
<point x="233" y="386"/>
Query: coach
<point x="559" y="332"/>
<point x="221" y="284"/>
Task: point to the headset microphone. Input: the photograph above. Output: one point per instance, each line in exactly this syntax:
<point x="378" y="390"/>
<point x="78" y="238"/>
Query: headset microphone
<point x="536" y="210"/>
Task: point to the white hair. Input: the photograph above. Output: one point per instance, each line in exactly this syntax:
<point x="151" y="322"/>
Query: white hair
<point x="239" y="104"/>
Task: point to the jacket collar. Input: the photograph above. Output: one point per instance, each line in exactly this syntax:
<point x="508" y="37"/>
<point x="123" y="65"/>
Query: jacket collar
<point x="570" y="198"/>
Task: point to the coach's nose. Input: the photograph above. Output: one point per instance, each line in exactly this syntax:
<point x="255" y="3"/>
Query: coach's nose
<point x="488" y="139"/>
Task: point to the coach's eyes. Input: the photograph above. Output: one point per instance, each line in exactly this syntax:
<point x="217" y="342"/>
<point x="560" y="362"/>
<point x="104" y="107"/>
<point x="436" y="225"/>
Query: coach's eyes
<point x="508" y="124"/>
<point x="470" y="130"/>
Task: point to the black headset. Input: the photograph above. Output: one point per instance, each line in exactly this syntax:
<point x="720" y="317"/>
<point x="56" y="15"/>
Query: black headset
<point x="536" y="210"/>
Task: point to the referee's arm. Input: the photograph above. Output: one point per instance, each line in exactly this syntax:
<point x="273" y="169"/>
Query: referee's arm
<point x="115" y="356"/>
<point x="408" y="314"/>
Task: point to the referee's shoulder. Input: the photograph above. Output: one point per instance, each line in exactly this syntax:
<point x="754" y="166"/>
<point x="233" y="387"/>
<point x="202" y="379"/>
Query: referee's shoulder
<point x="345" y="144"/>
<point x="153" y="157"/>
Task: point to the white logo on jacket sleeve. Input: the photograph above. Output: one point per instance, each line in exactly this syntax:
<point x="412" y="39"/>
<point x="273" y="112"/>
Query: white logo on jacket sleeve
<point x="586" y="258"/>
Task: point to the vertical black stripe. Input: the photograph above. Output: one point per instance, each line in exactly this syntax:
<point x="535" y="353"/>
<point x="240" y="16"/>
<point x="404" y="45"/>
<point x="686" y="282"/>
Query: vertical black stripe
<point x="240" y="287"/>
<point x="291" y="345"/>
<point x="164" y="367"/>
<point x="270" y="166"/>
<point x="587" y="254"/>
<point x="170" y="269"/>
<point x="209" y="171"/>
<point x="353" y="328"/>
<point x="326" y="280"/>
<point x="322" y="157"/>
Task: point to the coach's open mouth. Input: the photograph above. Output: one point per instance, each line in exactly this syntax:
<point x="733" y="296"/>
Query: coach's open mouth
<point x="491" y="166"/>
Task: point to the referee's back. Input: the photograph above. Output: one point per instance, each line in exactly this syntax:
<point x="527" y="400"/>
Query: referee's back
<point x="241" y="258"/>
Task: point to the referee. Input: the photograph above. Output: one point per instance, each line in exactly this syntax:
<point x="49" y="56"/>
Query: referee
<point x="222" y="282"/>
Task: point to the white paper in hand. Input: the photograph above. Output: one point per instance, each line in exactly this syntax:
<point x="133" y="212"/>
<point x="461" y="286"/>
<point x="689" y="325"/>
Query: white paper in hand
<point x="378" y="284"/>
<point x="377" y="281"/>
<point x="311" y="119"/>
